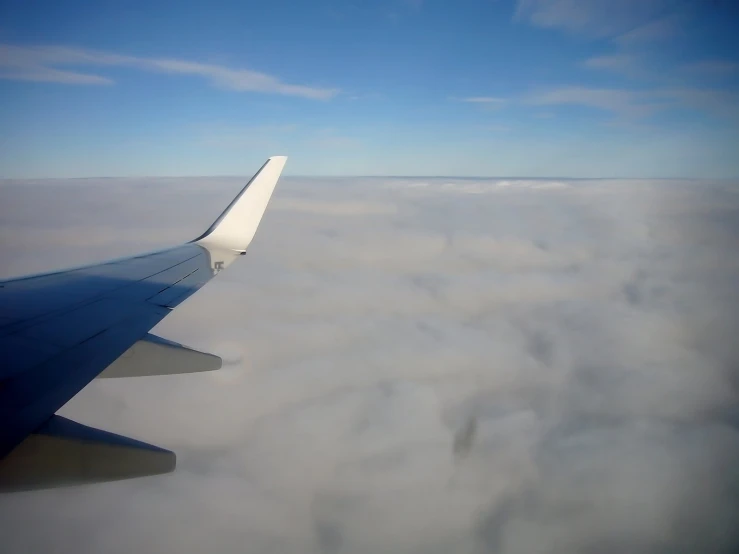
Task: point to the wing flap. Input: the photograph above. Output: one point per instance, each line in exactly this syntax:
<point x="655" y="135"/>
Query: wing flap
<point x="154" y="355"/>
<point x="63" y="452"/>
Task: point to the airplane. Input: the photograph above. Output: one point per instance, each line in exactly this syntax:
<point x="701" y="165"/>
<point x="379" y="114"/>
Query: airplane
<point x="61" y="330"/>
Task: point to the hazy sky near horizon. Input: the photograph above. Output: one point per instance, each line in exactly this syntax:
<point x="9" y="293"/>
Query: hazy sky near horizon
<point x="598" y="88"/>
<point x="414" y="366"/>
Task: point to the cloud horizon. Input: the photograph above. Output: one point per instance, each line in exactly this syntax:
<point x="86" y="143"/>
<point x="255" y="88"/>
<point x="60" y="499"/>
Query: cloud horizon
<point x="415" y="365"/>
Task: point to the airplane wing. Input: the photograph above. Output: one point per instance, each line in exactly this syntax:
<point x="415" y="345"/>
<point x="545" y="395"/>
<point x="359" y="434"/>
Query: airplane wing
<point x="61" y="330"/>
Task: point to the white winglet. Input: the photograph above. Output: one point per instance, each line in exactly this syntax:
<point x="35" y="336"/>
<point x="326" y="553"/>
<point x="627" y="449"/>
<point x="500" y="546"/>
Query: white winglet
<point x="235" y="227"/>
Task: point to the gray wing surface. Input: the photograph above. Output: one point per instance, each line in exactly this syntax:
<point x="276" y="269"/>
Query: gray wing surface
<point x="59" y="331"/>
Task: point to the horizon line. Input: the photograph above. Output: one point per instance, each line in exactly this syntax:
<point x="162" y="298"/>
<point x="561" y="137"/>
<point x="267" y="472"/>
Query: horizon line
<point x="356" y="176"/>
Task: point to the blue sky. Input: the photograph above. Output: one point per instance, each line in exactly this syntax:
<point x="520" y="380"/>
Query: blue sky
<point x="597" y="88"/>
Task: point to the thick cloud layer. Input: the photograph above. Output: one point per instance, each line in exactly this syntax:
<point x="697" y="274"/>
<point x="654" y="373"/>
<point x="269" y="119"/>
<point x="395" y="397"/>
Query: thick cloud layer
<point x="415" y="365"/>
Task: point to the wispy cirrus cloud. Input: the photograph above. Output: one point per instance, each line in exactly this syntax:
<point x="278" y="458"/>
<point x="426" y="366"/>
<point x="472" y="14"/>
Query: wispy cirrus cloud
<point x="51" y="75"/>
<point x="51" y="63"/>
<point x="620" y="101"/>
<point x="484" y="100"/>
<point x="626" y="102"/>
<point x="20" y="63"/>
<point x="723" y="104"/>
<point x="659" y="29"/>
<point x="618" y="63"/>
<point x="636" y="104"/>
<point x="714" y="68"/>
<point x="596" y="18"/>
<point x="488" y="103"/>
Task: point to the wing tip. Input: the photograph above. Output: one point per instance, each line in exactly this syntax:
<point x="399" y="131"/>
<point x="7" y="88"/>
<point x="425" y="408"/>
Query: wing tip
<point x="235" y="227"/>
<point x="277" y="160"/>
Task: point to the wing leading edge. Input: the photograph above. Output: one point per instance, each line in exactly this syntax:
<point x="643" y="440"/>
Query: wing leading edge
<point x="61" y="330"/>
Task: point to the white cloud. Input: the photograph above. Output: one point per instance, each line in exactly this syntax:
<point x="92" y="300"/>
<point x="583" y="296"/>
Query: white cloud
<point x="721" y="103"/>
<point x="488" y="103"/>
<point x="660" y="29"/>
<point x="584" y="333"/>
<point x="621" y="101"/>
<point x="49" y="75"/>
<point x="596" y="18"/>
<point x="715" y="68"/>
<point x="484" y="100"/>
<point x="637" y="68"/>
<point x="626" y="102"/>
<point x="618" y="63"/>
<point x="639" y="103"/>
<point x="42" y="63"/>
